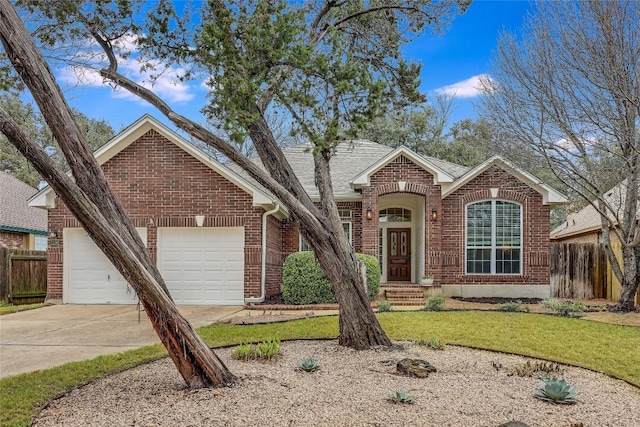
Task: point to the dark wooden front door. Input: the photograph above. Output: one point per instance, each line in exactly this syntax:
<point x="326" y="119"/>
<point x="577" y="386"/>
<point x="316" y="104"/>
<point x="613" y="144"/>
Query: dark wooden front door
<point x="398" y="254"/>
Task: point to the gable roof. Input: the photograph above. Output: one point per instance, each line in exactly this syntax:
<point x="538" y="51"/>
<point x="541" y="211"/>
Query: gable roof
<point x="587" y="219"/>
<point x="45" y="198"/>
<point x="549" y="195"/>
<point x="15" y="213"/>
<point x="443" y="172"/>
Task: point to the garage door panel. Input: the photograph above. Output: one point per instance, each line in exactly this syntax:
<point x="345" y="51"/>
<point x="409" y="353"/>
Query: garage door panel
<point x="203" y="265"/>
<point x="89" y="276"/>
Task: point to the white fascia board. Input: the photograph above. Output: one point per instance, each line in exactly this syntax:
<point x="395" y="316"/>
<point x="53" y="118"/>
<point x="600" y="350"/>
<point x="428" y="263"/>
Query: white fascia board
<point x="44" y="199"/>
<point x="142" y="126"/>
<point x="549" y="195"/>
<point x="440" y="176"/>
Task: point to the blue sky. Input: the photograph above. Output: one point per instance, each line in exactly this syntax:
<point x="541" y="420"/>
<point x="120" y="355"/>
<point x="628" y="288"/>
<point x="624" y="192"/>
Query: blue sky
<point x="451" y="62"/>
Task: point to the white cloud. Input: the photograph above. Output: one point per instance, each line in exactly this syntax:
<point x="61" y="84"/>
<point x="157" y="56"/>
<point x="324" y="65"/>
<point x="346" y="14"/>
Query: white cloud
<point x="468" y="88"/>
<point x="166" y="85"/>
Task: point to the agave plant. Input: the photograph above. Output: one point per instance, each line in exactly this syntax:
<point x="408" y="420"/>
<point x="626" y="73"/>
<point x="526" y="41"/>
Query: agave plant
<point x="401" y="396"/>
<point x="308" y="364"/>
<point x="555" y="391"/>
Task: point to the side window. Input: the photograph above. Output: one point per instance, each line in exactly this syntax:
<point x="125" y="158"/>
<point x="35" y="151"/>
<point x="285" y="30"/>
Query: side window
<point x="345" y="217"/>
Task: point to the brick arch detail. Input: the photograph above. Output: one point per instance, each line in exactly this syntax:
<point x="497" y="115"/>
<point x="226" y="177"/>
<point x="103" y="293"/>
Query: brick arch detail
<point x="485" y="194"/>
<point x="394" y="187"/>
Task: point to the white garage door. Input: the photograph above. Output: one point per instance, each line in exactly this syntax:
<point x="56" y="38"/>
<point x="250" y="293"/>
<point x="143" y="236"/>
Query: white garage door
<point x="203" y="266"/>
<point x="89" y="277"/>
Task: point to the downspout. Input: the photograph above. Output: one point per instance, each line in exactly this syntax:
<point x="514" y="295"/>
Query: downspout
<point x="263" y="279"/>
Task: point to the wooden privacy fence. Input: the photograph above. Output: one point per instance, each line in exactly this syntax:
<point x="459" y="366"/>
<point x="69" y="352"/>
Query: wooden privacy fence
<point x="582" y="271"/>
<point x="23" y="276"/>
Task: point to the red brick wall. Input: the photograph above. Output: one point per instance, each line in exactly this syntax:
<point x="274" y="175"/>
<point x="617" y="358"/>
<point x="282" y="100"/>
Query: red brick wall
<point x="291" y="229"/>
<point x="535" y="228"/>
<point x="12" y="240"/>
<point x="160" y="185"/>
<point x="385" y="181"/>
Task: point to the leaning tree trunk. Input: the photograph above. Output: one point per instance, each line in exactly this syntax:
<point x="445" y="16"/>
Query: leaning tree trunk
<point x="359" y="327"/>
<point x="90" y="199"/>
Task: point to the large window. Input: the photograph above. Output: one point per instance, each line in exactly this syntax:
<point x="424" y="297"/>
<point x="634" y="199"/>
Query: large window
<point x="345" y="217"/>
<point x="494" y="238"/>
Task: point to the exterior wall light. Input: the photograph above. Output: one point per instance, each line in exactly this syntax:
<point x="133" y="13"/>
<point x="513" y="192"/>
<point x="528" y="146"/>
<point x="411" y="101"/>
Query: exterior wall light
<point x="434" y="213"/>
<point x="53" y="234"/>
<point x="369" y="212"/>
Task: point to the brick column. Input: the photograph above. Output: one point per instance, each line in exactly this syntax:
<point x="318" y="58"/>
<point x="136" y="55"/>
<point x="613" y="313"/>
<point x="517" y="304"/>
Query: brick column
<point x="370" y="227"/>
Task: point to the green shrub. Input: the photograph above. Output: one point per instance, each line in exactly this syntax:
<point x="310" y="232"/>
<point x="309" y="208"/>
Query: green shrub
<point x="564" y="308"/>
<point x="435" y="303"/>
<point x="242" y="352"/>
<point x="513" y="306"/>
<point x="266" y="350"/>
<point x="304" y="282"/>
<point x="384" y="306"/>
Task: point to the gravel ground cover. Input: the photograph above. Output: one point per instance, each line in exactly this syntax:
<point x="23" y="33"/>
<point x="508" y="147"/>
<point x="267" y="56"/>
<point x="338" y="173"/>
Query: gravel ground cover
<point x="350" y="389"/>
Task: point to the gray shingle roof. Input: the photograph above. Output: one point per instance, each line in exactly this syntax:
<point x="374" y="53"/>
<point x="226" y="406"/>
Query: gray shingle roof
<point x="14" y="211"/>
<point x="350" y="159"/>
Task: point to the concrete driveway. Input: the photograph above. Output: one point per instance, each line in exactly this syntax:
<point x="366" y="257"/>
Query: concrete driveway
<point x="51" y="336"/>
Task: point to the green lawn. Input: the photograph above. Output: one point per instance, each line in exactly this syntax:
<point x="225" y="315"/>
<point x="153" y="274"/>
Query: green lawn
<point x="612" y="349"/>
<point x="8" y="308"/>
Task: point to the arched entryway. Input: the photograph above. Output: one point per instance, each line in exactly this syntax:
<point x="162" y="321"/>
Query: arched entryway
<point x="401" y="237"/>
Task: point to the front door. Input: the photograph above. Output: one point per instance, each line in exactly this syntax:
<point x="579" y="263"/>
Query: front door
<point x="398" y="254"/>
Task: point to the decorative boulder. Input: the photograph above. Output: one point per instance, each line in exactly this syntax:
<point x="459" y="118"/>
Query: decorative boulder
<point x="415" y="368"/>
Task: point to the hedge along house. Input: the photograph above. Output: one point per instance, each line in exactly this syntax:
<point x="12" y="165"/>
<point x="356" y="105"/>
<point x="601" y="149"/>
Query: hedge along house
<point x="220" y="238"/>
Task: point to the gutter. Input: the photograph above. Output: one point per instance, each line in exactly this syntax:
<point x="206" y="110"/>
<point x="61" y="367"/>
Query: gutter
<point x="263" y="279"/>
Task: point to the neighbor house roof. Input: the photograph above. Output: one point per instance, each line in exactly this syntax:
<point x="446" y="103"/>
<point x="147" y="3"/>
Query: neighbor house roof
<point x="587" y="219"/>
<point x="15" y="213"/>
<point x="45" y="198"/>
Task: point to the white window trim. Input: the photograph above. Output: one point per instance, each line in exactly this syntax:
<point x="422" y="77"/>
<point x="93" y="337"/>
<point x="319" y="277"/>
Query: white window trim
<point x="493" y="239"/>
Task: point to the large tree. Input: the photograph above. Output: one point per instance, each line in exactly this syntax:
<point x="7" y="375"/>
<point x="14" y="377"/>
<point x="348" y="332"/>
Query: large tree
<point x="568" y="87"/>
<point x="329" y="66"/>
<point x="97" y="132"/>
<point x="90" y="199"/>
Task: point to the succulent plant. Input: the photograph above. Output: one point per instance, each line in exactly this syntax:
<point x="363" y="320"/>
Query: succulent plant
<point x="308" y="364"/>
<point x="555" y="391"/>
<point x="401" y="396"/>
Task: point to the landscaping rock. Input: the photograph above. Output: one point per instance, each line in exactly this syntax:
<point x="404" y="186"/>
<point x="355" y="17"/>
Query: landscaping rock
<point x="513" y="424"/>
<point x="415" y="368"/>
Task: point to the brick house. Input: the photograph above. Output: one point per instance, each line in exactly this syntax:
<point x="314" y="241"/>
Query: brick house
<point x="21" y="226"/>
<point x="220" y="238"/>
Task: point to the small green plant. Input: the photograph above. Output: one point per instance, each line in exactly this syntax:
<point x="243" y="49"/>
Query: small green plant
<point x="308" y="364"/>
<point x="267" y="350"/>
<point x="530" y="369"/>
<point x="384" y="306"/>
<point x="242" y="352"/>
<point x="555" y="391"/>
<point x="513" y="306"/>
<point x="564" y="308"/>
<point x="434" y="343"/>
<point x="435" y="303"/>
<point x="401" y="396"/>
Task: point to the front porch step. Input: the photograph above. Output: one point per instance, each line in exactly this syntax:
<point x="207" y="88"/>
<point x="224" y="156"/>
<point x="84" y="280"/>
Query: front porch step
<point x="404" y="294"/>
